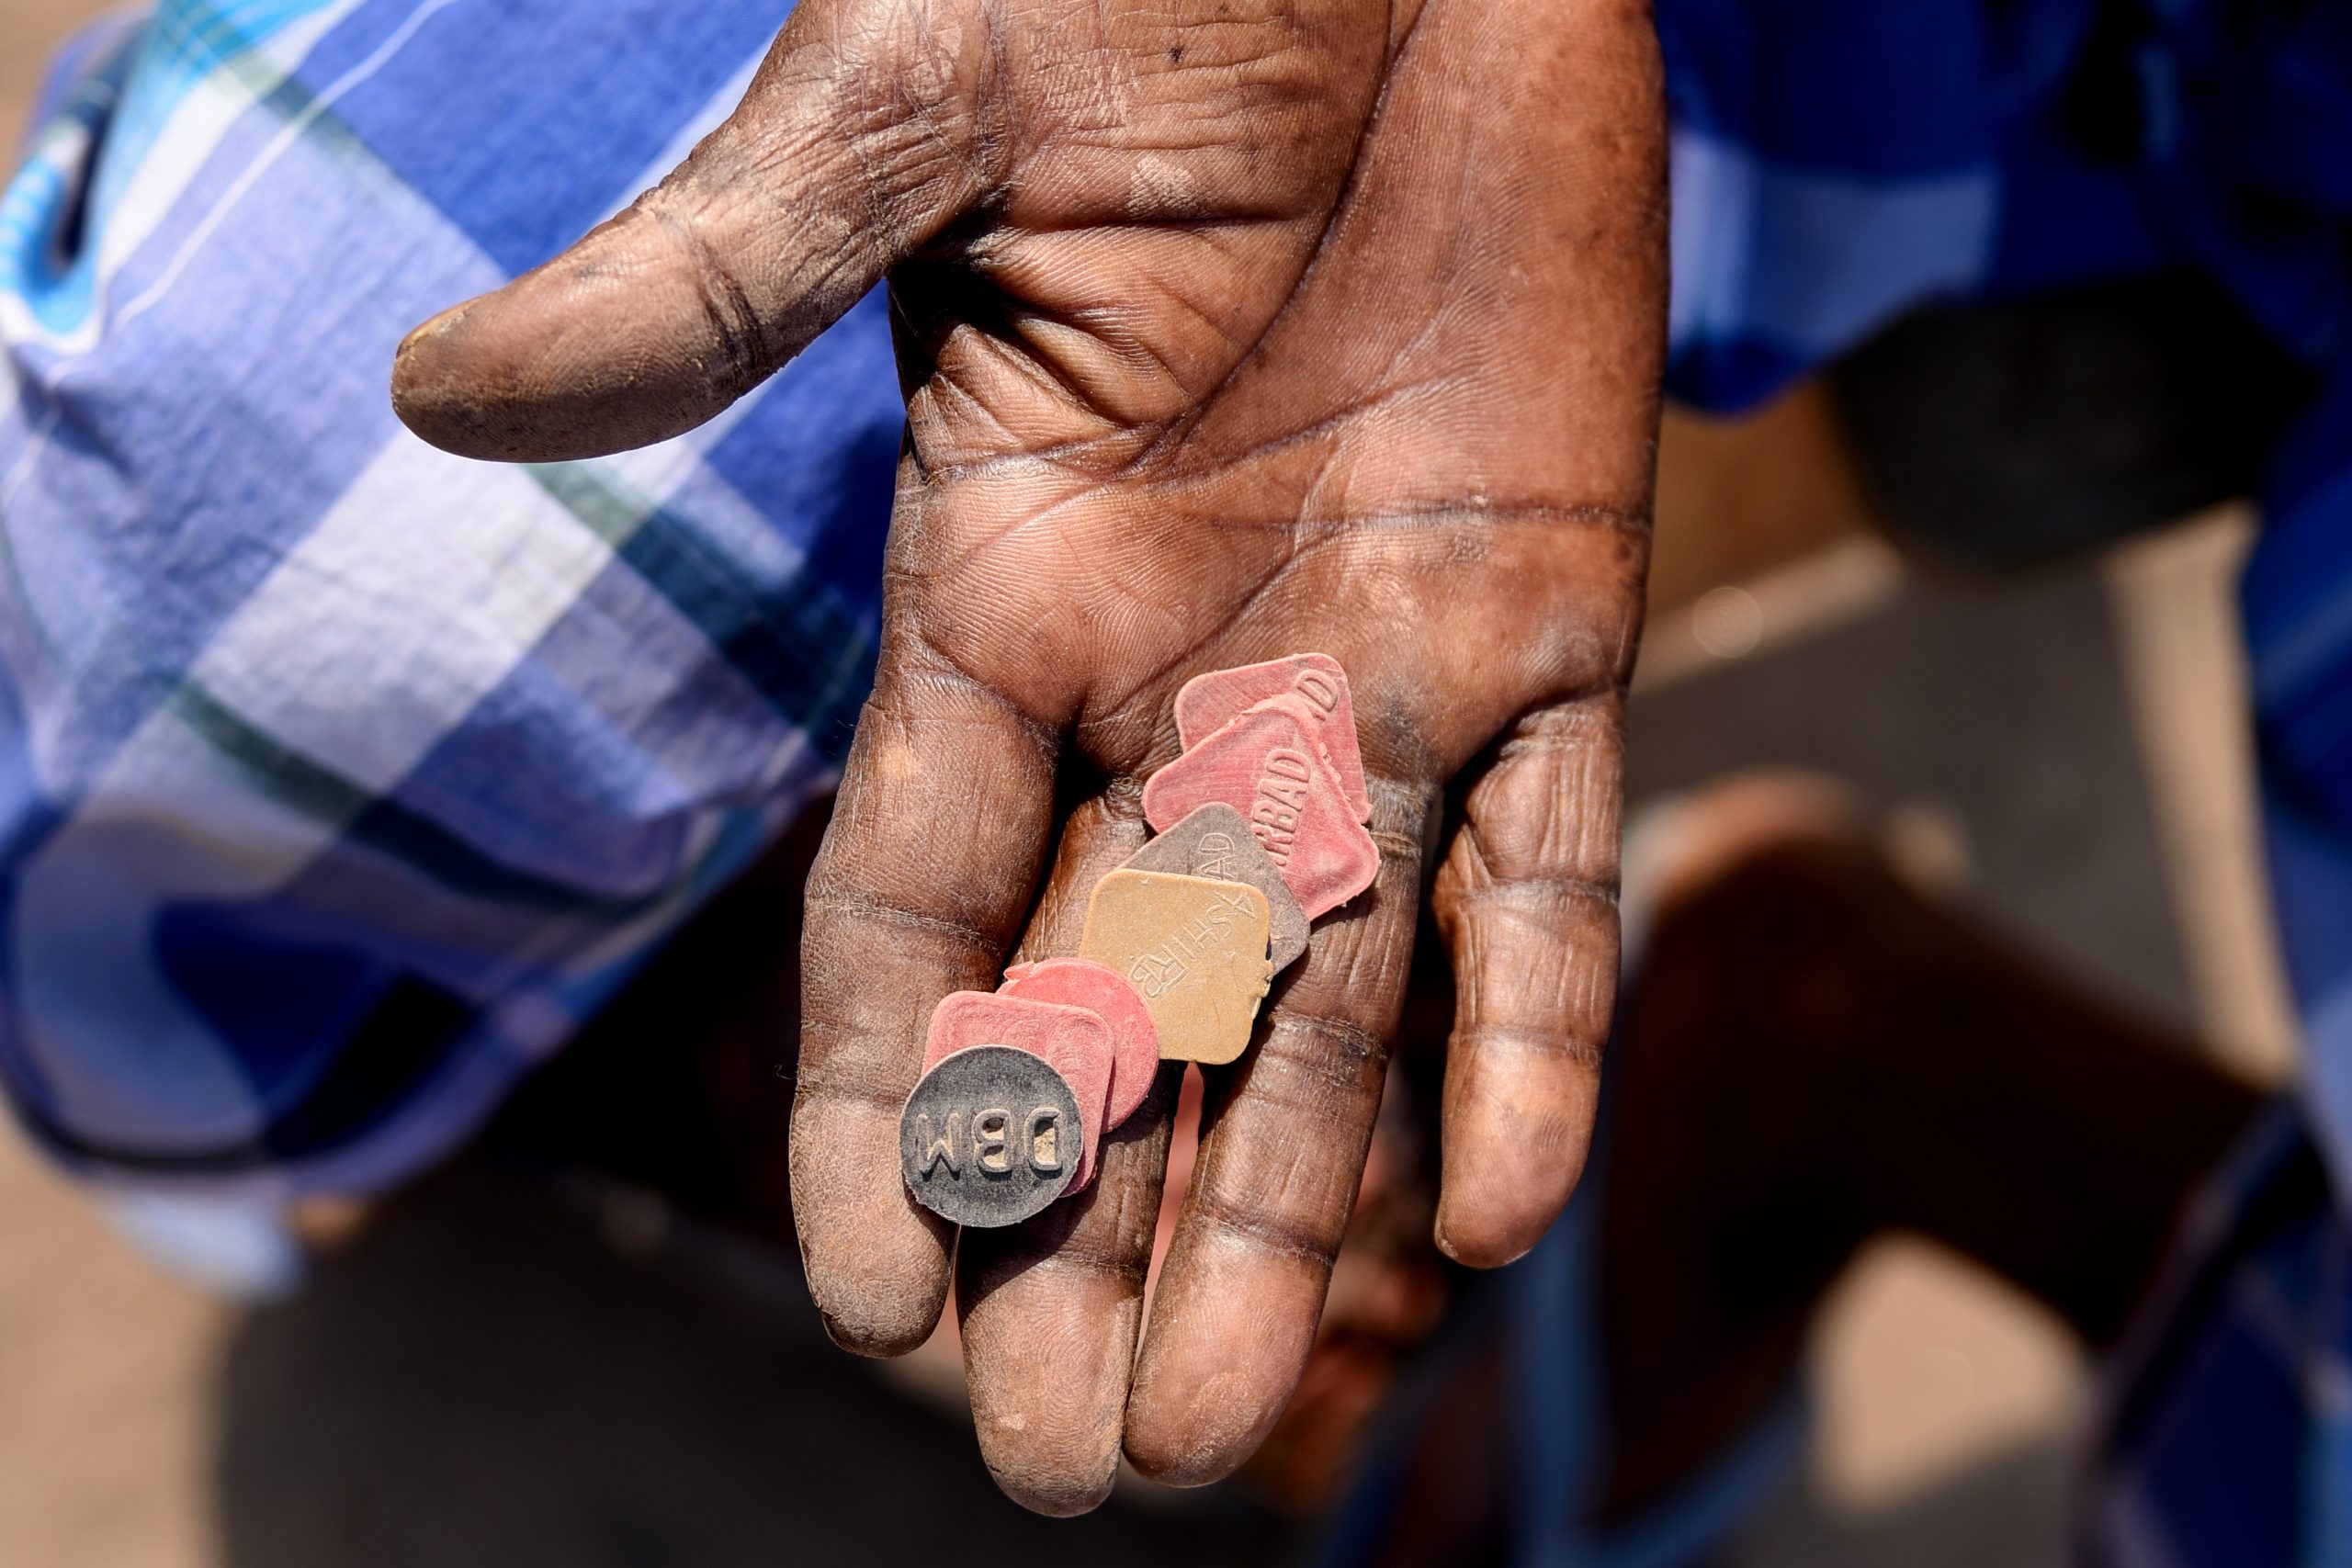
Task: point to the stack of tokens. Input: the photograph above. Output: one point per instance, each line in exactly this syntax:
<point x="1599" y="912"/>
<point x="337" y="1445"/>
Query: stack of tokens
<point x="1260" y="829"/>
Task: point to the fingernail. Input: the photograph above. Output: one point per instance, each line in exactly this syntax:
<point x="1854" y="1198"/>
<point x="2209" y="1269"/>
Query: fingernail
<point x="432" y="327"/>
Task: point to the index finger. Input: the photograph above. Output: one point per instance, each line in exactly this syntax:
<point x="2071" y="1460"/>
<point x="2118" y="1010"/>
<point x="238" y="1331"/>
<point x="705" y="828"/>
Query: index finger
<point x="921" y="887"/>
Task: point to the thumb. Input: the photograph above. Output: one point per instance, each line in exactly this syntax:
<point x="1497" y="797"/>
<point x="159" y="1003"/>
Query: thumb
<point x="859" y="139"/>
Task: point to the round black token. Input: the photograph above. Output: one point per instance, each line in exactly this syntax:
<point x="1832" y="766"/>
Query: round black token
<point x="989" y="1137"/>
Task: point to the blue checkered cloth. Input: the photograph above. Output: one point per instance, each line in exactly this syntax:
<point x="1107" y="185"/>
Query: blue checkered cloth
<point x="340" y="780"/>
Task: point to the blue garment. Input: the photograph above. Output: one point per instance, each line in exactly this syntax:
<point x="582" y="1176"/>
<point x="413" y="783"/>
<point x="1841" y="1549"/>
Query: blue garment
<point x="2222" y="1439"/>
<point x="341" y="779"/>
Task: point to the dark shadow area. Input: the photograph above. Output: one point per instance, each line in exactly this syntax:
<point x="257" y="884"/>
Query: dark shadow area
<point x="479" y="1378"/>
<point x="2002" y="705"/>
<point x="1991" y="1515"/>
<point x="1998" y="435"/>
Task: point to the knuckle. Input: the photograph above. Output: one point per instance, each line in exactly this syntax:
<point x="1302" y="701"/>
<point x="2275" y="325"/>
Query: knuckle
<point x="1551" y="971"/>
<point x="1551" y="1042"/>
<point x="851" y="904"/>
<point x="1267" y="1229"/>
<point x="1337" y="1052"/>
<point x="1549" y="810"/>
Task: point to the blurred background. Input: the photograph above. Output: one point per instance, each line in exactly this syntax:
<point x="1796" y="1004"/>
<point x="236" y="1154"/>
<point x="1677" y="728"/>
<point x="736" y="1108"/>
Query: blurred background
<point x="519" y="1364"/>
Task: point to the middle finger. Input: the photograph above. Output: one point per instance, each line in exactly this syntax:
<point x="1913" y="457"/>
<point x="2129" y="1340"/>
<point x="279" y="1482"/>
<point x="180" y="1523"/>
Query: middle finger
<point x="1283" y="1143"/>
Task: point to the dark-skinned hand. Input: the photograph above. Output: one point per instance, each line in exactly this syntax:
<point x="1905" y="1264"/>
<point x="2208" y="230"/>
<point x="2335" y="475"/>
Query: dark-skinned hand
<point x="1228" y="328"/>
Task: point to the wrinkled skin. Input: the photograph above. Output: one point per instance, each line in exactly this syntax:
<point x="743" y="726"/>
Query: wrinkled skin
<point x="1228" y="328"/>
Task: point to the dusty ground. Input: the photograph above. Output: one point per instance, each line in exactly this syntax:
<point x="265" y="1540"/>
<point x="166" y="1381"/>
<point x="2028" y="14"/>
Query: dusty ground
<point x="29" y="29"/>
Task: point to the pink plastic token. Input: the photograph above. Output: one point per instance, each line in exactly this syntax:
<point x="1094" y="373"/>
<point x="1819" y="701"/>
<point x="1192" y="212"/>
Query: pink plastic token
<point x="1112" y="997"/>
<point x="1208" y="703"/>
<point x="1074" y="1042"/>
<point x="1266" y="765"/>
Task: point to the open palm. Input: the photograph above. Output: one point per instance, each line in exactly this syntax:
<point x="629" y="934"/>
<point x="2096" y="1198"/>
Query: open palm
<point x="1230" y="328"/>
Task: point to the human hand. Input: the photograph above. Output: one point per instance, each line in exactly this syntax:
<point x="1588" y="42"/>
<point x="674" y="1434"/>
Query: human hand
<point x="1228" y="328"/>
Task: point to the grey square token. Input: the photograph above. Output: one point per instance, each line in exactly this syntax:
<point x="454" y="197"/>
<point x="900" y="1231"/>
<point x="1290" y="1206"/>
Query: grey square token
<point x="1215" y="842"/>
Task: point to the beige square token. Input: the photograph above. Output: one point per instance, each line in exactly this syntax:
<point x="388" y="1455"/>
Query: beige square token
<point x="1195" y="948"/>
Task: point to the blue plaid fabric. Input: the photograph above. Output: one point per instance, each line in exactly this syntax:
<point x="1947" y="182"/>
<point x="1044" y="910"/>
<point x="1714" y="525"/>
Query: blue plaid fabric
<point x="341" y="779"/>
<point x="2222" y="1438"/>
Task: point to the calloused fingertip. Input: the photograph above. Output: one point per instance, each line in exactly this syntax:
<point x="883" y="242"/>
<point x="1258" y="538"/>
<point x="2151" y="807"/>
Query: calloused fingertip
<point x="432" y="326"/>
<point x="1057" y="1496"/>
<point x="512" y="377"/>
<point x="1489" y="1217"/>
<point x="430" y="387"/>
<point x="878" y="1271"/>
<point x="1480" y="1241"/>
<point x="881" y="1334"/>
<point x="1215" y="1373"/>
<point x="1186" y="1466"/>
